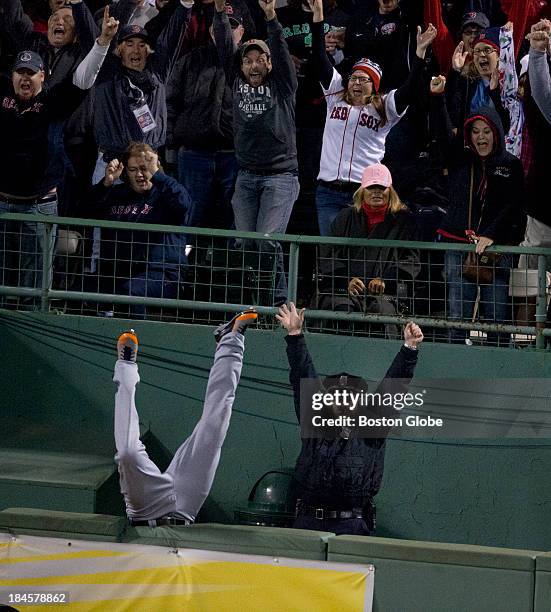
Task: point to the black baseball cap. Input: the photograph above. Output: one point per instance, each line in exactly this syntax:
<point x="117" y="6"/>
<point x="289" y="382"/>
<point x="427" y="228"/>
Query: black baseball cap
<point x="133" y="31"/>
<point x="29" y="60"/>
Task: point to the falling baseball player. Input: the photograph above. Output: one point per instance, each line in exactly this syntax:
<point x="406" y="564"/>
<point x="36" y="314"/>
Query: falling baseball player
<point x="174" y="497"/>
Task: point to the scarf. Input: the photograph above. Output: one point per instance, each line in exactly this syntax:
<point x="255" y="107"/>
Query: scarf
<point x="139" y="78"/>
<point x="374" y="215"/>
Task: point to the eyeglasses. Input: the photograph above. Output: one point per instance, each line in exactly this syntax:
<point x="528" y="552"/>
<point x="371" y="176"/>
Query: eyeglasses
<point x="360" y="79"/>
<point x="485" y="51"/>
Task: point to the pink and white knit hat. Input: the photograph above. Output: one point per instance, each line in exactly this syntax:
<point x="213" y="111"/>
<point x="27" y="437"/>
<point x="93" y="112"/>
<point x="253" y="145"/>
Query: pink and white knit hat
<point x="371" y="68"/>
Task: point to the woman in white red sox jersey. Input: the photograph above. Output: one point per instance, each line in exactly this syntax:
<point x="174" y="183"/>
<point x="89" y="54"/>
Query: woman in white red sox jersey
<point x="358" y="119"/>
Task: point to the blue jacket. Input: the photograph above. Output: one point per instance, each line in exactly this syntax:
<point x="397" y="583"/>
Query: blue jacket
<point x="166" y="203"/>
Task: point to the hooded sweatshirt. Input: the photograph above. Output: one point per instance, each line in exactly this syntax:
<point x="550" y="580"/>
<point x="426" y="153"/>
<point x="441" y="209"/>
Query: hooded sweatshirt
<point x="496" y="193"/>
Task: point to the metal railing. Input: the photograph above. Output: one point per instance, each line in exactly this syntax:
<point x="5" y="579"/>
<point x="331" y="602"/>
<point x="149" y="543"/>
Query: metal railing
<point x="229" y="270"/>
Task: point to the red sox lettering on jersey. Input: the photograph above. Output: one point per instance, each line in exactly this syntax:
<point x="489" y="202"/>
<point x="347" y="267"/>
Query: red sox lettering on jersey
<point x="353" y="137"/>
<point x="366" y="120"/>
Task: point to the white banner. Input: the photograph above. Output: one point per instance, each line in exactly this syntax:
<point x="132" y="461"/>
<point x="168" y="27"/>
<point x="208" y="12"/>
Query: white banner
<point x="78" y="575"/>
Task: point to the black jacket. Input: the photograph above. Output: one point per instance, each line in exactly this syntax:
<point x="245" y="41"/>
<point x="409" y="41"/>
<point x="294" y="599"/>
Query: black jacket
<point x="340" y="473"/>
<point x="498" y="213"/>
<point x="199" y="102"/>
<point x="31" y="161"/>
<point x="17" y="27"/>
<point x="389" y="40"/>
<point x="340" y="263"/>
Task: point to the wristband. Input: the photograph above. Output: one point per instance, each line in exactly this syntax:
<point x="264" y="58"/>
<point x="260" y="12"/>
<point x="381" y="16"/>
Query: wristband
<point x="411" y="348"/>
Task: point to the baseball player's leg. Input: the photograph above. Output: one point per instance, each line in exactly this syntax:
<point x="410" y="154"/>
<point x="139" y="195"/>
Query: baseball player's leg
<point x="142" y="484"/>
<point x="195" y="462"/>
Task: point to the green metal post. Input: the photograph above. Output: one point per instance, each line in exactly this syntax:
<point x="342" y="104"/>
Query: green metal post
<point x="293" y="271"/>
<point x="47" y="265"/>
<point x="541" y="303"/>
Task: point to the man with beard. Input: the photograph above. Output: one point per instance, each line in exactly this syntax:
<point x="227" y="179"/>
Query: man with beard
<point x="264" y="130"/>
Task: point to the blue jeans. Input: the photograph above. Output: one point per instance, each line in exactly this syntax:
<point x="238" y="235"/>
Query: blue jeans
<point x="263" y="203"/>
<point x="152" y="282"/>
<point x="210" y="180"/>
<point x="329" y="203"/>
<point x="494" y="297"/>
<point x="22" y="244"/>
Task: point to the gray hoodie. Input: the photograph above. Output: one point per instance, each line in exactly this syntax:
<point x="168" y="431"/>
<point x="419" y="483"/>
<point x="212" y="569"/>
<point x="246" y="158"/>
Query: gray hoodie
<point x="540" y="81"/>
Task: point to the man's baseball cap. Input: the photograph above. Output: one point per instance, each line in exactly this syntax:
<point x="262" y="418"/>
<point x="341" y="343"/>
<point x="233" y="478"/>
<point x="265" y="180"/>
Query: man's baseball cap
<point x="133" y="31"/>
<point x="29" y="60"/>
<point x="475" y="18"/>
<point x="377" y="174"/>
<point x="255" y="43"/>
<point x="235" y="23"/>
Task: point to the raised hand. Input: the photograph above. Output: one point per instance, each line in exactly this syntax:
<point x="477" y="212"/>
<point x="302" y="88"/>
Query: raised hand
<point x="109" y="28"/>
<point x="413" y="335"/>
<point x="268" y="7"/>
<point x="424" y="39"/>
<point x="316" y="6"/>
<point x="149" y="163"/>
<point x="539" y="35"/>
<point x="291" y="319"/>
<point x="459" y="57"/>
<point x="437" y="85"/>
<point x="112" y="172"/>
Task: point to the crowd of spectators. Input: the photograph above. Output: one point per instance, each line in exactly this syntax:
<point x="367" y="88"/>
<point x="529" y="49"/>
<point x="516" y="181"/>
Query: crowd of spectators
<point x="349" y="118"/>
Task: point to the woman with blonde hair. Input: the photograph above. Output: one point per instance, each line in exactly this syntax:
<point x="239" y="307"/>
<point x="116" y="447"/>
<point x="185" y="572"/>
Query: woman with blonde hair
<point x="359" y="118"/>
<point x="363" y="278"/>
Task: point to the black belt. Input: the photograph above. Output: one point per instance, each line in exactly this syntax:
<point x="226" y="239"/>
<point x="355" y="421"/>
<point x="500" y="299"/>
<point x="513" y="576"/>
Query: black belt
<point x="31" y="201"/>
<point x="166" y="520"/>
<point x="343" y="186"/>
<point x="322" y="513"/>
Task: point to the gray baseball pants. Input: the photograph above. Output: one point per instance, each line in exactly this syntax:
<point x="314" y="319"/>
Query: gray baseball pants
<point x="181" y="490"/>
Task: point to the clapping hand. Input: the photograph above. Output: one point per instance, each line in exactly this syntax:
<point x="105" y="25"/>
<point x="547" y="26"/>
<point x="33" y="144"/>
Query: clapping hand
<point x="459" y="57"/>
<point x="424" y="39"/>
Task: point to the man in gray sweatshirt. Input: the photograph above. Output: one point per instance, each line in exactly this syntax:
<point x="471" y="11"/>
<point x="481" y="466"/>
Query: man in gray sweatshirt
<point x="264" y="91"/>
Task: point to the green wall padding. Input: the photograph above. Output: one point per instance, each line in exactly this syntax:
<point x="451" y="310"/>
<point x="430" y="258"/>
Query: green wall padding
<point x="57" y="395"/>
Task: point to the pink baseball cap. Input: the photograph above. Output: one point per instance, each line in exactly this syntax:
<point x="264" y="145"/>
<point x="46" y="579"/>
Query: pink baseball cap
<point x="377" y="174"/>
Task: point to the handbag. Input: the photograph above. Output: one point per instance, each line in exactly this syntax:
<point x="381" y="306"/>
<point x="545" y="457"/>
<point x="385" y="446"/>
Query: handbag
<point x="479" y="269"/>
